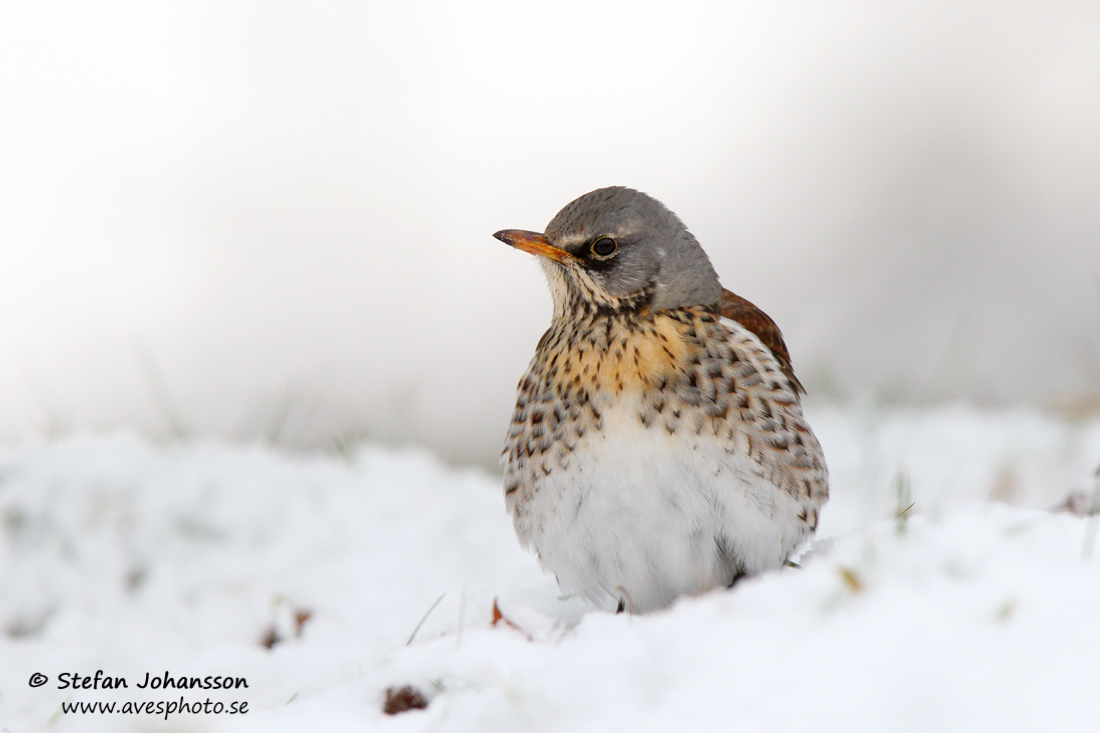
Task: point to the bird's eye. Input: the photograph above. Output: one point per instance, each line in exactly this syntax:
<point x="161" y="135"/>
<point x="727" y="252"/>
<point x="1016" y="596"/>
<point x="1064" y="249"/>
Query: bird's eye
<point x="604" y="247"/>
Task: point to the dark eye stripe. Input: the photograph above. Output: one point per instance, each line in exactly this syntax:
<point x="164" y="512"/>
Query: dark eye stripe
<point x="604" y="247"/>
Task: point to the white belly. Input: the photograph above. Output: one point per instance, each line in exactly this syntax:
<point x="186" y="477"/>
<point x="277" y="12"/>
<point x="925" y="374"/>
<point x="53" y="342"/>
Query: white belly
<point x="645" y="516"/>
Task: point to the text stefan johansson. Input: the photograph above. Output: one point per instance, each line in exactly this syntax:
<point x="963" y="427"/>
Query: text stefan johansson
<point x="100" y="681"/>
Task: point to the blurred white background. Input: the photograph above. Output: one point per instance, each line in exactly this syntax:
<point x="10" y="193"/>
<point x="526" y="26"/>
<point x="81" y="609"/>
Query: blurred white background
<point x="272" y="220"/>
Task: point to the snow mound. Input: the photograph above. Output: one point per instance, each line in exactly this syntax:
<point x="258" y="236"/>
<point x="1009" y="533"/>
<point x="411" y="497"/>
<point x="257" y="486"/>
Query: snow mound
<point x="977" y="610"/>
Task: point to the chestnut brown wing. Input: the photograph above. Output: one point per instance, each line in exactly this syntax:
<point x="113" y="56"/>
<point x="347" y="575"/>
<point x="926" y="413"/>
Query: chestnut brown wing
<point x="738" y="309"/>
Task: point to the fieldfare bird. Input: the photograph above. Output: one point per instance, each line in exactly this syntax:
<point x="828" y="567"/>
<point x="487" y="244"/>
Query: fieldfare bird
<point x="658" y="446"/>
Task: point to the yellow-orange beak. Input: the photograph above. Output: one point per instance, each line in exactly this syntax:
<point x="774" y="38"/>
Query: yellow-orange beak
<point x="534" y="243"/>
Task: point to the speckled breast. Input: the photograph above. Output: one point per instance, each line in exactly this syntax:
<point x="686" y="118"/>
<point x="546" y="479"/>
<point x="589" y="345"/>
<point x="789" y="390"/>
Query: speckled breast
<point x="654" y="456"/>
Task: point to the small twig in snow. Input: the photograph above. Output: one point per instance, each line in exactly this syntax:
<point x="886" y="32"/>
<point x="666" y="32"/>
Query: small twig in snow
<point x="461" y="618"/>
<point x="424" y="618"/>
<point x="1094" y="518"/>
<point x="904" y="494"/>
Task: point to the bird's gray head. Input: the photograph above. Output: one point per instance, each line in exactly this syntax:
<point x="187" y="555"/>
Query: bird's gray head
<point x="617" y="247"/>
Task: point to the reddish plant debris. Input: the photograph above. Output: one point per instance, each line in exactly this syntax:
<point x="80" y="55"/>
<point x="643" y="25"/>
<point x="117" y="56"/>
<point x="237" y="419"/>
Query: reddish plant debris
<point x="271" y="635"/>
<point x="270" y="638"/>
<point x="499" y="618"/>
<point x="1080" y="504"/>
<point x="403" y="699"/>
<point x="301" y="615"/>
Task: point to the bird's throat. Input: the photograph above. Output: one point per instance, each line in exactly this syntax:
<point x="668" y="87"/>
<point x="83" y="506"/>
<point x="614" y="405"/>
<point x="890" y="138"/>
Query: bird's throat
<point x="630" y="350"/>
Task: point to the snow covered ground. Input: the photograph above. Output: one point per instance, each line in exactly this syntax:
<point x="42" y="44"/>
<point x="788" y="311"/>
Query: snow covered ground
<point x="980" y="610"/>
